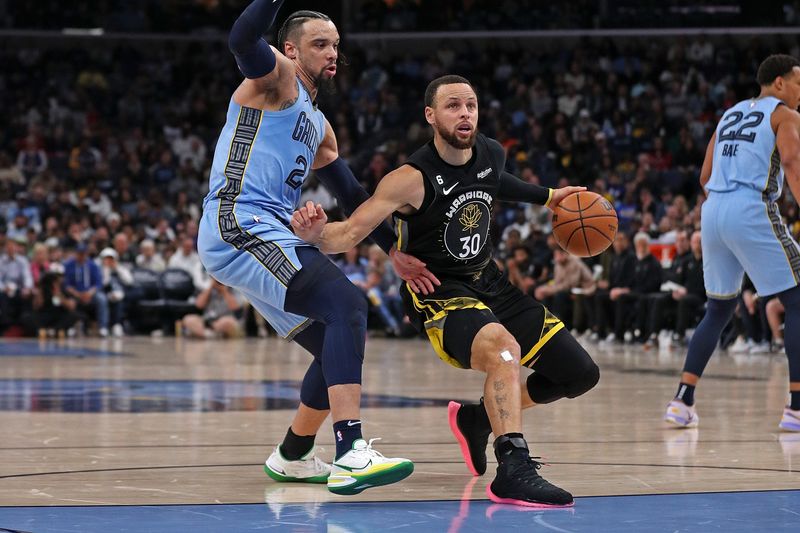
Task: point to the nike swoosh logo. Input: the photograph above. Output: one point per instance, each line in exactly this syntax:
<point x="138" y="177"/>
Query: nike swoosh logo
<point x="350" y="423"/>
<point x="352" y="468"/>
<point x="447" y="191"/>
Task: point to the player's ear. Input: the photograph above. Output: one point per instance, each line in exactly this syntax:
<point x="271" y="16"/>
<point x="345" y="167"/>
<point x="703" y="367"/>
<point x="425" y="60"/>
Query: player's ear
<point x="290" y="50"/>
<point x="429" y="115"/>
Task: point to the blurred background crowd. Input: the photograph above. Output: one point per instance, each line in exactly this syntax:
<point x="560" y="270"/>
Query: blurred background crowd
<point x="106" y="145"/>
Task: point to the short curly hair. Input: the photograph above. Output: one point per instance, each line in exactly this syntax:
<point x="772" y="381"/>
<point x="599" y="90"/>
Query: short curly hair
<point x="774" y="66"/>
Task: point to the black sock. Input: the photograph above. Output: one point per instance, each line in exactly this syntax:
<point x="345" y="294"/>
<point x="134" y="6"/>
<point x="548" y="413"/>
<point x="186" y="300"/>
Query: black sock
<point x="795" y="403"/>
<point x="345" y="433"/>
<point x="685" y="393"/>
<point x="475" y="415"/>
<point x="294" y="446"/>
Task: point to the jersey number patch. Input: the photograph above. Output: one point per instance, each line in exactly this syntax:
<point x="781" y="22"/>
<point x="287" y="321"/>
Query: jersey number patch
<point x="752" y="120"/>
<point x="295" y="177"/>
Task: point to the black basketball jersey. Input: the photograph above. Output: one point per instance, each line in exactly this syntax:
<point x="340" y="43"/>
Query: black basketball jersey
<point x="450" y="232"/>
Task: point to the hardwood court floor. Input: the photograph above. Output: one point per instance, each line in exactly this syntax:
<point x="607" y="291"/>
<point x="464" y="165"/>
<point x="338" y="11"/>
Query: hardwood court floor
<point x="172" y="421"/>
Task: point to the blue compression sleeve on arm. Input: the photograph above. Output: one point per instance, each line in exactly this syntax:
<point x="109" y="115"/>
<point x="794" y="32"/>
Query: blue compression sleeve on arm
<point x="340" y="181"/>
<point x="253" y="54"/>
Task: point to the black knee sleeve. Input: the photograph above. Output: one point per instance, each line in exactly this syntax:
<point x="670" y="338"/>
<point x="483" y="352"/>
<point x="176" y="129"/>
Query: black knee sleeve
<point x="584" y="382"/>
<point x="542" y="390"/>
<point x="563" y="370"/>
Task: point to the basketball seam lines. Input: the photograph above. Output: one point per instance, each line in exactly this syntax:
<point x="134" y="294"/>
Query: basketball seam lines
<point x="579" y="205"/>
<point x="600" y="232"/>
<point x="575" y="220"/>
<point x="580" y="214"/>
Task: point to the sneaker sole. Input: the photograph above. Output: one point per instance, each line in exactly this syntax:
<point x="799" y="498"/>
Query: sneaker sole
<point x="680" y="422"/>
<point x="452" y="412"/>
<point x="789" y="426"/>
<point x="366" y="481"/>
<point x="288" y="479"/>
<point x="524" y="503"/>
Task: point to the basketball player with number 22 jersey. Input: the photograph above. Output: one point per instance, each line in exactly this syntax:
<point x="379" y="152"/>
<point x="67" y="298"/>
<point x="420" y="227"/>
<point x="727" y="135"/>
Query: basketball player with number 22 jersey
<point x="755" y="143"/>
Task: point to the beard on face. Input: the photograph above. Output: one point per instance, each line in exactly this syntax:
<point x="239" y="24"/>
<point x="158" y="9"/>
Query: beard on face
<point x="324" y="85"/>
<point x="453" y="140"/>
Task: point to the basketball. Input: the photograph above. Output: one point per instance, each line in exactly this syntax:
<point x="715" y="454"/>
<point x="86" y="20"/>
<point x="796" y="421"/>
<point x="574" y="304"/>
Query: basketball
<point x="584" y="224"/>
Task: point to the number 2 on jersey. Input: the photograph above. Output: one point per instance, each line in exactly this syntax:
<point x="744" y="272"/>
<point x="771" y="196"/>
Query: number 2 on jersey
<point x="294" y="179"/>
<point x="752" y="120"/>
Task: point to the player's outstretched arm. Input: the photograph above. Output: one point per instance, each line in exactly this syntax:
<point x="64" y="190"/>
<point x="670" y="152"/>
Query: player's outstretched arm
<point x="255" y="57"/>
<point x="395" y="191"/>
<point x="787" y="138"/>
<point x="513" y="189"/>
<point x="335" y="175"/>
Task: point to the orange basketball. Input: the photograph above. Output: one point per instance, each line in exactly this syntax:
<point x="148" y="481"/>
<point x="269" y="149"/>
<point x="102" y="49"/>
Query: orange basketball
<point x="584" y="224"/>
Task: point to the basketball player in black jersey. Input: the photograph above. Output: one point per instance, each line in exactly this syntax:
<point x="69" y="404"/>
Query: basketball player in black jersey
<point x="442" y="201"/>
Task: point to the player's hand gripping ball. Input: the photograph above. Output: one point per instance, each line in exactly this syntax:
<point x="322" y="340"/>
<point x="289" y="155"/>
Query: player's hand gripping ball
<point x="584" y="224"/>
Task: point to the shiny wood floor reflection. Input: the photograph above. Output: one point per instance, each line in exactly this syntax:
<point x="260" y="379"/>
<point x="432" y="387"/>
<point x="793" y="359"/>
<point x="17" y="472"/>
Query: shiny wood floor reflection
<point x="147" y="421"/>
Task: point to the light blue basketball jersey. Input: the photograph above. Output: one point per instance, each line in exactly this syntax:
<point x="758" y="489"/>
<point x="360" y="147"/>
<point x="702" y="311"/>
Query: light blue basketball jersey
<point x="745" y="154"/>
<point x="263" y="157"/>
<point x="741" y="228"/>
<point x="260" y="162"/>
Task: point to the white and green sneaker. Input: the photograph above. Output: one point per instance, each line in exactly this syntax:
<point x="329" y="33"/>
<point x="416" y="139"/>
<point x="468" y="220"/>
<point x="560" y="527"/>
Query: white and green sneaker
<point x="307" y="469"/>
<point x="362" y="468"/>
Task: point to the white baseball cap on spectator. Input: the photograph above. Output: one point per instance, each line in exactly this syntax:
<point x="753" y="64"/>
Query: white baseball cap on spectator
<point x="108" y="252"/>
<point x="56" y="268"/>
<point x="113" y="216"/>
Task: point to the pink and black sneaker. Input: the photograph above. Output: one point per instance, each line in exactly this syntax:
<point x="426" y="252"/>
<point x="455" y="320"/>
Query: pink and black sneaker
<point x="470" y="437"/>
<point x="518" y="481"/>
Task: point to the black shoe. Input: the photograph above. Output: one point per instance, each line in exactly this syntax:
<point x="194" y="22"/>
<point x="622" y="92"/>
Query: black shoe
<point x="518" y="481"/>
<point x="470" y="437"/>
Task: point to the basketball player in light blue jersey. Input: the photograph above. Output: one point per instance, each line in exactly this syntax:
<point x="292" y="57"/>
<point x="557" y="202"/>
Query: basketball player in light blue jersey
<point x="274" y="135"/>
<point x="754" y="144"/>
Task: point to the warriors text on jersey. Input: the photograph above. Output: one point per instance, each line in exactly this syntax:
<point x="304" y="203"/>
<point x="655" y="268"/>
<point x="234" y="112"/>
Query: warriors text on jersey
<point x="450" y="232"/>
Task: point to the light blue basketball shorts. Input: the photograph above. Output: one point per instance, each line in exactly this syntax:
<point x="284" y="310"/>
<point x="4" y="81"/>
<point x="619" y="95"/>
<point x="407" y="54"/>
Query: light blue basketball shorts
<point x="255" y="254"/>
<point x="743" y="233"/>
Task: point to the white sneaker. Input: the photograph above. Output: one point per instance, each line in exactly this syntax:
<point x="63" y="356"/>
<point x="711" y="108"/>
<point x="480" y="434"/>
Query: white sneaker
<point x="681" y="415"/>
<point x="103" y="332"/>
<point x="790" y="420"/>
<point x="117" y="331"/>
<point x="362" y="467"/>
<point x="307" y="469"/>
<point x="741" y="345"/>
<point x="761" y="347"/>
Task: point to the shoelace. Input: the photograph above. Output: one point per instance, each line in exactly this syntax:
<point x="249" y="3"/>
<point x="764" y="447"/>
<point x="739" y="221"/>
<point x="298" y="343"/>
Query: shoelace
<point x="524" y="471"/>
<point x="369" y="447"/>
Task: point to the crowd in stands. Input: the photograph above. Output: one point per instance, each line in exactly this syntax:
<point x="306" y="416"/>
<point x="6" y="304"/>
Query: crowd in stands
<point x="193" y="16"/>
<point x="105" y="152"/>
